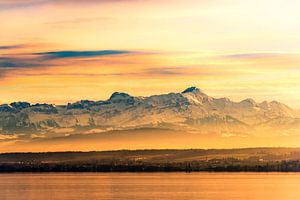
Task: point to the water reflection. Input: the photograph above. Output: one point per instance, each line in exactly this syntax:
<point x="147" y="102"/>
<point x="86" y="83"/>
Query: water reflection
<point x="163" y="186"/>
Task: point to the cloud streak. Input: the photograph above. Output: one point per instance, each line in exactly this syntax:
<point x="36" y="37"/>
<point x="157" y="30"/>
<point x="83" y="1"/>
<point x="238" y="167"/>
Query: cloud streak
<point x="252" y="55"/>
<point x="18" y="64"/>
<point x="146" y="73"/>
<point x="14" y="62"/>
<point x="11" y="47"/>
<point x="78" y="54"/>
<point x="15" y="4"/>
<point x="79" y="20"/>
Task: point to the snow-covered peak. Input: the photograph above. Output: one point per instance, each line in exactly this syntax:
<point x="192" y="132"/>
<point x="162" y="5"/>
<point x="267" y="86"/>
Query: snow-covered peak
<point x="248" y="102"/>
<point x="195" y="95"/>
<point x="122" y="111"/>
<point x="7" y="108"/>
<point x="120" y="97"/>
<point x="192" y="89"/>
<point x="82" y="104"/>
<point x="20" y="105"/>
<point x="43" y="108"/>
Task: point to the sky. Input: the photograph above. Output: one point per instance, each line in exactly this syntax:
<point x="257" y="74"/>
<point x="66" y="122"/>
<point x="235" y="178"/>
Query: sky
<point x="59" y="51"/>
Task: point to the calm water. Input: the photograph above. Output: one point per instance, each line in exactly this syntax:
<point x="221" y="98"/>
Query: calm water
<point x="169" y="186"/>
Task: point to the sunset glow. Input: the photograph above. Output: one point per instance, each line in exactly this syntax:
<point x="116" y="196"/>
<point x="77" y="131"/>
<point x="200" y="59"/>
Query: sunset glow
<point x="63" y="51"/>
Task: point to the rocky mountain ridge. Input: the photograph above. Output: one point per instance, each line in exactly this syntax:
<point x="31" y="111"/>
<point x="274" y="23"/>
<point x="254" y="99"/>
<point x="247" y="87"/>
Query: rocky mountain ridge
<point x="191" y="110"/>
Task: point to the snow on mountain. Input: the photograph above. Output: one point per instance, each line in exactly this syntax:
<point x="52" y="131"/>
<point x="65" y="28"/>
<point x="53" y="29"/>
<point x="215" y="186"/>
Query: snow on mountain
<point x="191" y="109"/>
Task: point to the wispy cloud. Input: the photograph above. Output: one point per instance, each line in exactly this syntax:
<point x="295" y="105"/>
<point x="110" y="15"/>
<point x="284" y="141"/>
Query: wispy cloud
<point x="15" y="4"/>
<point x="89" y="1"/>
<point x="74" y="54"/>
<point x="166" y="71"/>
<point x="161" y="72"/>
<point x="79" y="20"/>
<point x="5" y="47"/>
<point x="187" y="71"/>
<point x="252" y="55"/>
<point x="14" y="62"/>
<point x="42" y="59"/>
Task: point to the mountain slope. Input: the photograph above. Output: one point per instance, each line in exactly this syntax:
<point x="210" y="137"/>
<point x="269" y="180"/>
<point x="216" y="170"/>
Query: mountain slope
<point x="191" y="110"/>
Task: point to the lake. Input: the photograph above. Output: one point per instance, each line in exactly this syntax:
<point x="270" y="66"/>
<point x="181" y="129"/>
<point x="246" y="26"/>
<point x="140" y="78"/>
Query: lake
<point x="146" y="186"/>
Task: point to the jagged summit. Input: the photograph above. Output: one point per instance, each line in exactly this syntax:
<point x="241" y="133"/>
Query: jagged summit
<point x="20" y="105"/>
<point x="249" y="101"/>
<point x="119" y="95"/>
<point x="194" y="94"/>
<point x="192" y="89"/>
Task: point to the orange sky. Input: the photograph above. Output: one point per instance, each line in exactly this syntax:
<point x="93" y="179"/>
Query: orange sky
<point x="55" y="50"/>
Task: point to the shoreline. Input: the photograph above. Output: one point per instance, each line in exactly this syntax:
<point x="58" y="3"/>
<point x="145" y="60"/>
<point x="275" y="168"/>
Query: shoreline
<point x="164" y="160"/>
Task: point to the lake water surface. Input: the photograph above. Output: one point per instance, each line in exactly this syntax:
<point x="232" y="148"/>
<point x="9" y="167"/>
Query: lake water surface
<point x="162" y="186"/>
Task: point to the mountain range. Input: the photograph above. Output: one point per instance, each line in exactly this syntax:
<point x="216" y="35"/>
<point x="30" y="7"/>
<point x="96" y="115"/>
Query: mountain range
<point x="191" y="111"/>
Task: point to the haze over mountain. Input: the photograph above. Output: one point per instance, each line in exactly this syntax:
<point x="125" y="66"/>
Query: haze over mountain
<point x="188" y="112"/>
